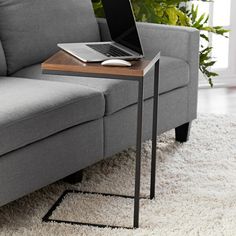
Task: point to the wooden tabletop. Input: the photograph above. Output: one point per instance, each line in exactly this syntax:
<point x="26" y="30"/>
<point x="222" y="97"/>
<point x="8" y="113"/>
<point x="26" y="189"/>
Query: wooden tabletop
<point x="64" y="62"/>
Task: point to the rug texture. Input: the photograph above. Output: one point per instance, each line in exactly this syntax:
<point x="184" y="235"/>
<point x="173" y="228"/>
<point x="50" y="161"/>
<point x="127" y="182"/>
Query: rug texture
<point x="195" y="190"/>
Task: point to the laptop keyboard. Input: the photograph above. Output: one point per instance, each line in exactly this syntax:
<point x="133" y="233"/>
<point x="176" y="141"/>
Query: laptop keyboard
<point x="108" y="50"/>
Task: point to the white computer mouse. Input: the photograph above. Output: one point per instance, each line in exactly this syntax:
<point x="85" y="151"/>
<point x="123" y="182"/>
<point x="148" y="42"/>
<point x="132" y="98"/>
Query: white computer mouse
<point x="116" y="62"/>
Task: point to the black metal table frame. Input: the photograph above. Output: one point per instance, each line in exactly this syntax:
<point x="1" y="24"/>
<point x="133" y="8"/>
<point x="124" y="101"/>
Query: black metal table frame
<point x="154" y="62"/>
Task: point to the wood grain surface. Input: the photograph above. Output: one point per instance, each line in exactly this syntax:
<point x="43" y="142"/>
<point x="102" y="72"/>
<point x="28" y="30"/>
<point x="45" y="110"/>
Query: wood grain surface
<point x="64" y="62"/>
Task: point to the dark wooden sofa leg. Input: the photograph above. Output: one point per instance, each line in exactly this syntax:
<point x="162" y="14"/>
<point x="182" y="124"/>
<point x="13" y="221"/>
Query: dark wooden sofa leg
<point x="182" y="132"/>
<point x="74" y="178"/>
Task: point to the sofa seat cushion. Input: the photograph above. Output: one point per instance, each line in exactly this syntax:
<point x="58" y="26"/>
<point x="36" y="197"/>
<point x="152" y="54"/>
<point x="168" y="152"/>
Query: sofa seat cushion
<point x="31" y="110"/>
<point x="31" y="29"/>
<point x="174" y="73"/>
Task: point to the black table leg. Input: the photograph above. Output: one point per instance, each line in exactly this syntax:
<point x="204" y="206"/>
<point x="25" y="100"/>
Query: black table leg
<point x="138" y="153"/>
<point x="154" y="130"/>
<point x="138" y="156"/>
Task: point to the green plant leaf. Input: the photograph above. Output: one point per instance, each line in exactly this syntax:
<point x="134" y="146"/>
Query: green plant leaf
<point x="172" y="16"/>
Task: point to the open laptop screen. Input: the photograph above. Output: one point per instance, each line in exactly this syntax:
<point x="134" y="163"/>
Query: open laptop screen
<point x="121" y="23"/>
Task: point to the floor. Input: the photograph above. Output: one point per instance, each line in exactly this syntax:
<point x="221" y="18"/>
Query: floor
<point x="217" y="100"/>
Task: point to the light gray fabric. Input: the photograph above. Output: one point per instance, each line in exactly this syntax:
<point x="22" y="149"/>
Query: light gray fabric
<point x="120" y="127"/>
<point x="179" y="42"/>
<point x="3" y="65"/>
<point x="172" y="41"/>
<point x="44" y="162"/>
<point x="194" y="72"/>
<point x="31" y="110"/>
<point x="174" y="73"/>
<point x="30" y="30"/>
<point x="103" y="29"/>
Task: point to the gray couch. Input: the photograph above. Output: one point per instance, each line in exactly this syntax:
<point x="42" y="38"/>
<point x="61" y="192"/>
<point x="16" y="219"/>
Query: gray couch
<point x="53" y="126"/>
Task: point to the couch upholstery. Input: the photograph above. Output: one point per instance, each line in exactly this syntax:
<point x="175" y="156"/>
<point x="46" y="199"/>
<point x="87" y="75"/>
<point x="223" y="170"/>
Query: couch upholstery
<point x="48" y="160"/>
<point x="32" y="110"/>
<point x="178" y="42"/>
<point x="26" y="28"/>
<point x="52" y="126"/>
<point x="120" y="93"/>
<point x="3" y="64"/>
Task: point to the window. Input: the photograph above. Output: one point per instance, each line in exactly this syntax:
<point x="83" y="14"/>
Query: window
<point x="222" y="12"/>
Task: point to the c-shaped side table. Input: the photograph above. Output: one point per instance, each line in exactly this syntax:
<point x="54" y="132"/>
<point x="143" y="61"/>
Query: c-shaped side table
<point x="62" y="63"/>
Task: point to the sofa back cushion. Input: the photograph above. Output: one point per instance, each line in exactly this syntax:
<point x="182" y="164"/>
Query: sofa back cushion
<point x="3" y="66"/>
<point x="31" y="29"/>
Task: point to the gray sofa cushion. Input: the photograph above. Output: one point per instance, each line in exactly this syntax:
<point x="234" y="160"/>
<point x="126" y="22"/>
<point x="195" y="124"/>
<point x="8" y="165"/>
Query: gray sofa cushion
<point x="3" y="66"/>
<point x="31" y="110"/>
<point x="174" y="73"/>
<point x="30" y="29"/>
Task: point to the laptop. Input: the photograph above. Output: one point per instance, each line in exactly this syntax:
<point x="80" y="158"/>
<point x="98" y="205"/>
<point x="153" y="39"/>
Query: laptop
<point x="125" y="42"/>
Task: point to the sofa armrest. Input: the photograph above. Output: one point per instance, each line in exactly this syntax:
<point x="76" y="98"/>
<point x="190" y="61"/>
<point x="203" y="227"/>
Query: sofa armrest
<point x="178" y="42"/>
<point x="172" y="41"/>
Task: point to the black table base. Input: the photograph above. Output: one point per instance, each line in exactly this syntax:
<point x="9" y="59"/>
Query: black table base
<point x="136" y="197"/>
<point x="47" y="218"/>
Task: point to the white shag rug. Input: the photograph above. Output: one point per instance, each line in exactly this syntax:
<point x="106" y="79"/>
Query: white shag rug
<point x="195" y="191"/>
